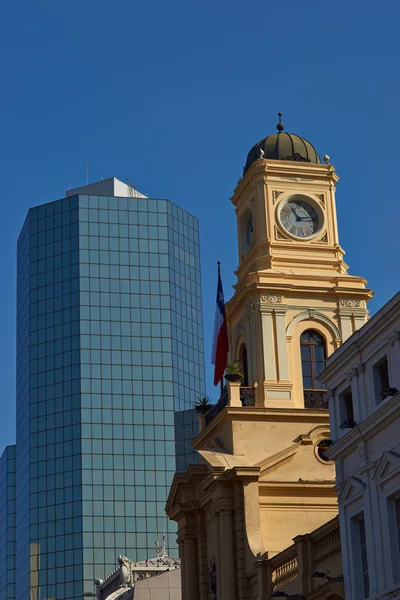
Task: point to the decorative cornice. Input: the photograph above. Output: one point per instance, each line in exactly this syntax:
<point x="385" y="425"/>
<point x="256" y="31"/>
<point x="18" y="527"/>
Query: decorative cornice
<point x="365" y="430"/>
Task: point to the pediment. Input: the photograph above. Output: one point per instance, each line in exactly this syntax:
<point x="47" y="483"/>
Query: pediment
<point x="220" y="459"/>
<point x="184" y="488"/>
<point x="352" y="489"/>
<point x="388" y="464"/>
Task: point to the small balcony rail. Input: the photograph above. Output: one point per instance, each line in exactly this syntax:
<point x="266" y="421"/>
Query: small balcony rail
<point x="216" y="409"/>
<point x="247" y="398"/>
<point x="315" y="399"/>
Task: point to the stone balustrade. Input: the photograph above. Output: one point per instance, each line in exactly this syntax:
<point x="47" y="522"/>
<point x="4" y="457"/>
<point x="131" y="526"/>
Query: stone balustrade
<point x="291" y="570"/>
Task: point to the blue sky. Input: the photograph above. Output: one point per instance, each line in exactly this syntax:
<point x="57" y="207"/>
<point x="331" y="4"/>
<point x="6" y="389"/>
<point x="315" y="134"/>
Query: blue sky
<point x="172" y="95"/>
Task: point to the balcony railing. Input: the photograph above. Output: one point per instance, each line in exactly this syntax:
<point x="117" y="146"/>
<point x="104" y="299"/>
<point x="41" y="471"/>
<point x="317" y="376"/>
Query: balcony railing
<point x="295" y="577"/>
<point x="315" y="399"/>
<point x="247" y="396"/>
<point x="216" y="409"/>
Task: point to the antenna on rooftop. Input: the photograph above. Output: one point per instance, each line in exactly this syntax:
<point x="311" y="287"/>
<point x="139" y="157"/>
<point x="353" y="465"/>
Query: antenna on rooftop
<point x="163" y="551"/>
<point x="131" y="189"/>
<point x="69" y="185"/>
<point x="102" y="176"/>
<point x="87" y="173"/>
<point x="156" y="544"/>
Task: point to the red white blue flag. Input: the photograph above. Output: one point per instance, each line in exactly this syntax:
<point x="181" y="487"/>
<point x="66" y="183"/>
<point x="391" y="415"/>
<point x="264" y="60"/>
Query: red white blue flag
<point x="220" y="347"/>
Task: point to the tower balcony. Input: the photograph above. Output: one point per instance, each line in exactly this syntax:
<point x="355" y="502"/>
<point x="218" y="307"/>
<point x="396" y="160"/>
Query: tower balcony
<point x="232" y="393"/>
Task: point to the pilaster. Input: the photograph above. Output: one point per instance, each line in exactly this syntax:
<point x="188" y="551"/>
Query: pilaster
<point x="227" y="566"/>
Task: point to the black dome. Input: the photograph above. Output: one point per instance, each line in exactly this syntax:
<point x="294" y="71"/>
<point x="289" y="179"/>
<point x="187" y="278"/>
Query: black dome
<point x="282" y="146"/>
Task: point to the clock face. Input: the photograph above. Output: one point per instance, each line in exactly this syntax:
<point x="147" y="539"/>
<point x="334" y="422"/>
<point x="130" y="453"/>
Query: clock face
<point x="299" y="218"/>
<point x="247" y="231"/>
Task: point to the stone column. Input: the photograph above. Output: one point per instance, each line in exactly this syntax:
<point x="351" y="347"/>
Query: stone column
<point x="202" y="567"/>
<point x="181" y="545"/>
<point x="242" y="583"/>
<point x="190" y="572"/>
<point x="305" y="561"/>
<point x="234" y="393"/>
<point x="281" y="344"/>
<point x="268" y="344"/>
<point x="227" y="544"/>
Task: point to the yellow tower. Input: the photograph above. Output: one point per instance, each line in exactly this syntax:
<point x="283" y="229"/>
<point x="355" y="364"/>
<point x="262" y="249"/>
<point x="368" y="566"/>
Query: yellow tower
<point x="265" y="477"/>
<point x="291" y="277"/>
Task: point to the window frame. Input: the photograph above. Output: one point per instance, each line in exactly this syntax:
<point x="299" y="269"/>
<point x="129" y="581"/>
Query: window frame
<point x="312" y="361"/>
<point x="346" y="408"/>
<point x="360" y="553"/>
<point x="380" y="382"/>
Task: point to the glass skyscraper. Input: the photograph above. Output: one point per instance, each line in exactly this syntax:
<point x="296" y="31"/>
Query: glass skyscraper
<point x="7" y="524"/>
<point x="109" y="348"/>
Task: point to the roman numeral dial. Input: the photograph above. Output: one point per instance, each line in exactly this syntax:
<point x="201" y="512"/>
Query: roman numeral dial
<point x="300" y="218"/>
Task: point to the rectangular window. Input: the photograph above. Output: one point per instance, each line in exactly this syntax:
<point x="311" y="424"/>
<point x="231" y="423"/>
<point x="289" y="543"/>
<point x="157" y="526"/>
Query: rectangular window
<point x="363" y="553"/>
<point x="397" y="516"/>
<point x="381" y="379"/>
<point x="346" y="409"/>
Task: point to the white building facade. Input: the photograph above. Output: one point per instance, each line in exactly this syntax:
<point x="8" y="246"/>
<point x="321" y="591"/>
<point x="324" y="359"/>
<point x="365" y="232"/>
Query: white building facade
<point x="363" y="382"/>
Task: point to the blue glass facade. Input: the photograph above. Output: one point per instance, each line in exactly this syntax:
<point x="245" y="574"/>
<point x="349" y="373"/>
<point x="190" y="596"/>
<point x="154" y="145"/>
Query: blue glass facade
<point x="7" y="524"/>
<point x="109" y="347"/>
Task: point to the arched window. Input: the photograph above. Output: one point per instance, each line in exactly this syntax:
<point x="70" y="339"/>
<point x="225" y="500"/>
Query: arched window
<point x="244" y="364"/>
<point x="313" y="356"/>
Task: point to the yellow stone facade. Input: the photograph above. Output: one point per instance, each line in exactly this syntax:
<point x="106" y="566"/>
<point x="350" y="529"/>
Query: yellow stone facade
<point x="262" y="481"/>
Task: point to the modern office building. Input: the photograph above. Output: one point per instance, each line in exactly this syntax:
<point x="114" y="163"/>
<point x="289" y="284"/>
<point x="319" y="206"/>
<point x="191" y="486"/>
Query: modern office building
<point x="109" y="347"/>
<point x="7" y="524"/>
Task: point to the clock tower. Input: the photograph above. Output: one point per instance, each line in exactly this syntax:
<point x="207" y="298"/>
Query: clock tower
<point x="294" y="301"/>
<point x="265" y="477"/>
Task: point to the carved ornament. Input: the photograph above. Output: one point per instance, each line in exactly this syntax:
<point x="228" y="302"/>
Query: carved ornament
<point x="355" y="371"/>
<point x="215" y="443"/>
<point x="324" y="237"/>
<point x="349" y="303"/>
<point x="277" y="194"/>
<point x="124" y="571"/>
<point x="271" y="298"/>
<point x="394" y="337"/>
<point x="249" y="305"/>
<point x="279" y="236"/>
<point x="321" y="197"/>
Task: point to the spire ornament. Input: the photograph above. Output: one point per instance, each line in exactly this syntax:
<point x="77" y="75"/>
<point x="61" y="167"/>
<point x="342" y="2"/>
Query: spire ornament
<point x="280" y="127"/>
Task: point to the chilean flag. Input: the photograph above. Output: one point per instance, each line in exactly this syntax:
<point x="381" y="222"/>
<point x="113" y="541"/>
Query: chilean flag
<point x="220" y="347"/>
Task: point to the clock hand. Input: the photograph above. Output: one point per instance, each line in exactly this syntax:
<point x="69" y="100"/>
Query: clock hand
<point x="295" y="214"/>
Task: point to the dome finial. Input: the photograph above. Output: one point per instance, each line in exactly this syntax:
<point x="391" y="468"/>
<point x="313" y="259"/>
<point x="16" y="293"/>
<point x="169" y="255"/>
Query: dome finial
<point x="280" y="127"/>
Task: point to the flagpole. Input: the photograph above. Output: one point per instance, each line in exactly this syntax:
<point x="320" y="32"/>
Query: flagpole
<point x="222" y="380"/>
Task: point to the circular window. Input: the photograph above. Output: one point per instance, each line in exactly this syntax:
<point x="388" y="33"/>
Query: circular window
<point x="321" y="447"/>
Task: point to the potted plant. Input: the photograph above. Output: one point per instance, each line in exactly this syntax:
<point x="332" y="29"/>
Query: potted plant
<point x="233" y="372"/>
<point x="203" y="405"/>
